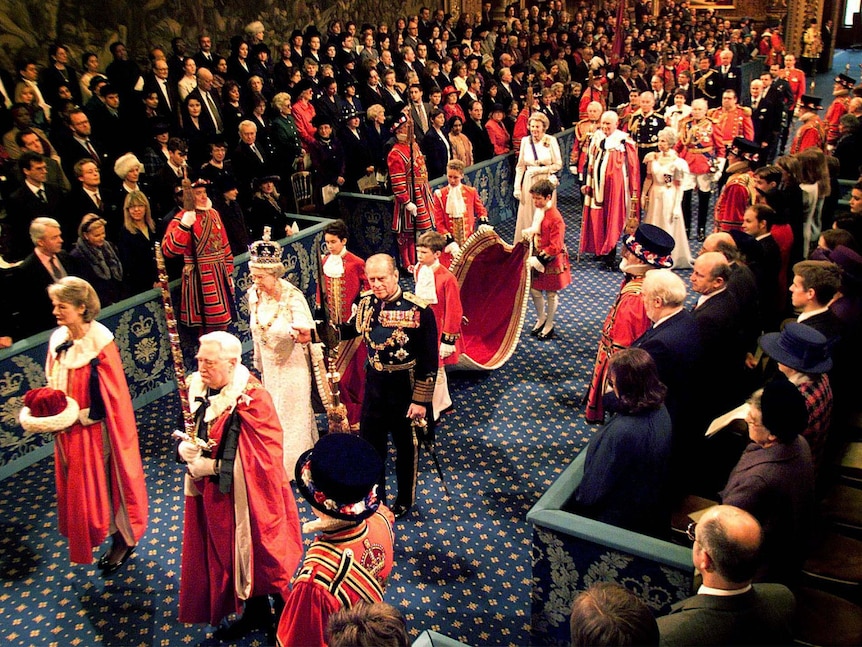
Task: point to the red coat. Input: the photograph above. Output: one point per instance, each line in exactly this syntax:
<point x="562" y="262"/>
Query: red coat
<point x="551" y="242"/>
<point x="447" y="225"/>
<point x="812" y="133"/>
<point x="592" y="94"/>
<point x="626" y="321"/>
<point x="447" y="311"/>
<point x="499" y="137"/>
<point x="736" y="196"/>
<point x="732" y="123"/>
<point x="90" y="498"/>
<point x="207" y="289"/>
<point x="340" y="570"/>
<point x="350" y="285"/>
<point x="398" y="162"/>
<point x="698" y="143"/>
<point x="263" y="551"/>
<point x="836" y="110"/>
<point x="611" y="192"/>
<point x="796" y="79"/>
<point x="303" y="114"/>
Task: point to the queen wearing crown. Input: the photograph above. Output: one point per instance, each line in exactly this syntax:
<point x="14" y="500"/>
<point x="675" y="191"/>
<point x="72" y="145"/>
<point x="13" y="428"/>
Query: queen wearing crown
<point x="281" y="326"/>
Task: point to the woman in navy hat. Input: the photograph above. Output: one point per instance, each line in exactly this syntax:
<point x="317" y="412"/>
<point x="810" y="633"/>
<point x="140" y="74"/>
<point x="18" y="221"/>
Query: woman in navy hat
<point x="803" y="356"/>
<point x="350" y="561"/>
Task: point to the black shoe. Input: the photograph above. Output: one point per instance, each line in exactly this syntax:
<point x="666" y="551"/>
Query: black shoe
<point x="399" y="510"/>
<point x="537" y="329"/>
<point x="103" y="560"/>
<point x="112" y="567"/>
<point x="701" y="235"/>
<point x="243" y="626"/>
<point x="546" y="335"/>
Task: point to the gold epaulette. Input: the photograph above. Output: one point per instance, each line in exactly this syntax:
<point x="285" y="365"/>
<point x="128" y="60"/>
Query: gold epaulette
<point x="412" y="298"/>
<point x="366" y="293"/>
<point x="746" y="110"/>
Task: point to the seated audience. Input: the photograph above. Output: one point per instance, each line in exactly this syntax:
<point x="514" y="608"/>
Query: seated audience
<point x="728" y="609"/>
<point x="625" y="480"/>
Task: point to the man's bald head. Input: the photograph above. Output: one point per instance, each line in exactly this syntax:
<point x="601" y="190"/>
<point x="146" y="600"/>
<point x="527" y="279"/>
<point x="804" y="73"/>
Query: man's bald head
<point x="731" y="537"/>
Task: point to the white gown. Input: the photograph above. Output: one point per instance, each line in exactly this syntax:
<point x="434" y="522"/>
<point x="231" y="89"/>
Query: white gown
<point x="283" y="365"/>
<point x="664" y="208"/>
<point x="528" y="173"/>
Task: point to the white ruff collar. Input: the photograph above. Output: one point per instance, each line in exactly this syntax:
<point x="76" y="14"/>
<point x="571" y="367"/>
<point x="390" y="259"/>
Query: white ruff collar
<point x="615" y="140"/>
<point x="426" y="286"/>
<point x="224" y="400"/>
<point x="83" y="350"/>
<point x="333" y="266"/>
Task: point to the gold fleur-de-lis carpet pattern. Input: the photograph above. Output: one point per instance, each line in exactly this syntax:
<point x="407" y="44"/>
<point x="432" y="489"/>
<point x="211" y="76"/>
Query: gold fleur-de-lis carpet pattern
<point x="462" y="566"/>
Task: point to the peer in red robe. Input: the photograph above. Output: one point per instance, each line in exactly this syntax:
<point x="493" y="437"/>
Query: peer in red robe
<point x="241" y="538"/>
<point x="611" y="192"/>
<point x="97" y="464"/>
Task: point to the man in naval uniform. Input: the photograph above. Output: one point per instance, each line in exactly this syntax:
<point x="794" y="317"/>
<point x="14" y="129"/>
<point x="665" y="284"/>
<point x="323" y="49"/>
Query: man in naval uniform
<point x="400" y="333"/>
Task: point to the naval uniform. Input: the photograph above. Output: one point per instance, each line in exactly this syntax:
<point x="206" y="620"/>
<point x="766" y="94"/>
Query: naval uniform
<point x="401" y="337"/>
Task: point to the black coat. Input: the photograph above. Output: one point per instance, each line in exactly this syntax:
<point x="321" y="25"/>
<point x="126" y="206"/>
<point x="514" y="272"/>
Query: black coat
<point x="436" y="153"/>
<point x="32" y="309"/>
<point x="483" y="149"/>
<point x="23" y="206"/>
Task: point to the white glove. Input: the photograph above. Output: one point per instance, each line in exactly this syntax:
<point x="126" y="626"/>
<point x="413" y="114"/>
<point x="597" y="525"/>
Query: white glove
<point x="452" y="248"/>
<point x="517" y="194"/>
<point x="528" y="233"/>
<point x="411" y="208"/>
<point x="446" y="350"/>
<point x="573" y="170"/>
<point x="201" y="467"/>
<point x="536" y="264"/>
<point x="189" y="451"/>
<point x="189" y="218"/>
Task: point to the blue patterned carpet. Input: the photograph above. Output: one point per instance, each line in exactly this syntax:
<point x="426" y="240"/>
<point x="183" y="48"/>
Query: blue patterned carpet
<point x="462" y="567"/>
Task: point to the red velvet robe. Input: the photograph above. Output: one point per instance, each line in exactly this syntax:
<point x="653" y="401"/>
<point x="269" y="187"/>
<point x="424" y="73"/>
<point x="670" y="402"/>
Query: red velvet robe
<point x="207" y="288"/>
<point x="89" y="497"/>
<point x="311" y="601"/>
<point x="613" y="186"/>
<point x="267" y="547"/>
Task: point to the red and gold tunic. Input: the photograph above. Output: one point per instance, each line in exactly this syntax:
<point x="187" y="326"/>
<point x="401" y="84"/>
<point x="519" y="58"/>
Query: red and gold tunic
<point x="732" y="123"/>
<point x="207" y="288"/>
<point x="698" y="144"/>
<point x="812" y="133"/>
<point x="738" y="194"/>
<point x="340" y="569"/>
<point x="402" y="180"/>
<point x="459" y="226"/>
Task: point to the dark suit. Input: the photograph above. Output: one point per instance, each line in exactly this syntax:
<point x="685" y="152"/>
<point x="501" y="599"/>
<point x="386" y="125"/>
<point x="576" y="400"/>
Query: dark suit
<point x="675" y="347"/>
<point x="29" y="283"/>
<point x="24" y="205"/>
<point x="662" y="101"/>
<point x="169" y="111"/>
<point x="369" y="96"/>
<point x="248" y="166"/>
<point x="761" y="616"/>
<point x="723" y="353"/>
<point x="71" y="151"/>
<point x="772" y="293"/>
<point x="731" y="79"/>
<point x="202" y="61"/>
<point x="207" y="123"/>
<point x="418" y="130"/>
<point x="766" y="118"/>
<point x="437" y="154"/>
<point x="483" y="149"/>
<point x="358" y="156"/>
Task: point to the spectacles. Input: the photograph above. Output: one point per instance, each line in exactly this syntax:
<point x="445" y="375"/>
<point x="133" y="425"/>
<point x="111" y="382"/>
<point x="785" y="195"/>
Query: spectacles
<point x="689" y="531"/>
